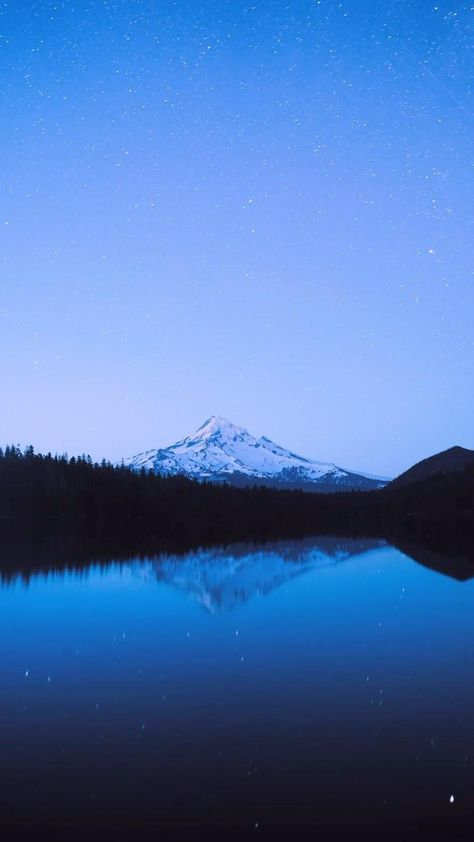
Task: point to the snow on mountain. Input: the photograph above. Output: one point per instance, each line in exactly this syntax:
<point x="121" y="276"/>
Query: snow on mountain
<point x="222" y="452"/>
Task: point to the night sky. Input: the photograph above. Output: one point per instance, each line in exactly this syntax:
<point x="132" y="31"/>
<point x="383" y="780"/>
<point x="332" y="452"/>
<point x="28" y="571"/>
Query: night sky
<point x="257" y="210"/>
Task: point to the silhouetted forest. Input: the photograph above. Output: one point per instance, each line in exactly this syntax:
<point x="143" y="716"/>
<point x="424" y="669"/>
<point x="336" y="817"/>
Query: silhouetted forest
<point x="52" y="506"/>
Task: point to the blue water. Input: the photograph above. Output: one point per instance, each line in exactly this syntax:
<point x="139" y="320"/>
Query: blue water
<point x="285" y="692"/>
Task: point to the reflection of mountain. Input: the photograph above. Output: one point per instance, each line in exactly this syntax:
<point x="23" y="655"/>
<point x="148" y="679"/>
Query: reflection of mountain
<point x="456" y="561"/>
<point x="221" y="578"/>
<point x="452" y="461"/>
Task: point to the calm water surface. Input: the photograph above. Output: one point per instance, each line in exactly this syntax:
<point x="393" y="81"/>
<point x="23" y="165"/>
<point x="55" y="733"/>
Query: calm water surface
<point x="320" y="690"/>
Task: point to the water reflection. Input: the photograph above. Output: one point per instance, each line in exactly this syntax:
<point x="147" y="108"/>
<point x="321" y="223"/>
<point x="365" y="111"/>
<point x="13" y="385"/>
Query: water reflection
<point x="220" y="579"/>
<point x="454" y="562"/>
<point x="325" y="693"/>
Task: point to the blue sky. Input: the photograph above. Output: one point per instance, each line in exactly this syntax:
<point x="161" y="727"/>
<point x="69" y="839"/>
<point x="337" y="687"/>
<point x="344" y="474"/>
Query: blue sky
<point x="257" y="210"/>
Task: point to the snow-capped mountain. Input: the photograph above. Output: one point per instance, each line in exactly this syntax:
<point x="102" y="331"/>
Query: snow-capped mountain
<point x="222" y="452"/>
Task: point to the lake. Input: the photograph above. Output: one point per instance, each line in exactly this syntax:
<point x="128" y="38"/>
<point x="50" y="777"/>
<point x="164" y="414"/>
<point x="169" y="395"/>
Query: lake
<point x="316" y="689"/>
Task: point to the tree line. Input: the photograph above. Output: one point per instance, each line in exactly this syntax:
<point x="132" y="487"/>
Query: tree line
<point x="117" y="510"/>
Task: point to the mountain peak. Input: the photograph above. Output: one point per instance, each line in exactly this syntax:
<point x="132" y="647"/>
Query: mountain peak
<point x="217" y="423"/>
<point x="217" y="429"/>
<point x="220" y="451"/>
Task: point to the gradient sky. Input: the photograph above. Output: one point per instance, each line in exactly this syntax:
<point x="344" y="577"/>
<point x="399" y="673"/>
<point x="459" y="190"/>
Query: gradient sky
<point x="258" y="210"/>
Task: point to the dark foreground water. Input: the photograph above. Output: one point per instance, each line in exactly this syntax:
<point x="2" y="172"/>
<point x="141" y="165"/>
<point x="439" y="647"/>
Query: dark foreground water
<point x="306" y="690"/>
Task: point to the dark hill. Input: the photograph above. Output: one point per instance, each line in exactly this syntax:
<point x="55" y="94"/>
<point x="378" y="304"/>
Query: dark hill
<point x="451" y="461"/>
